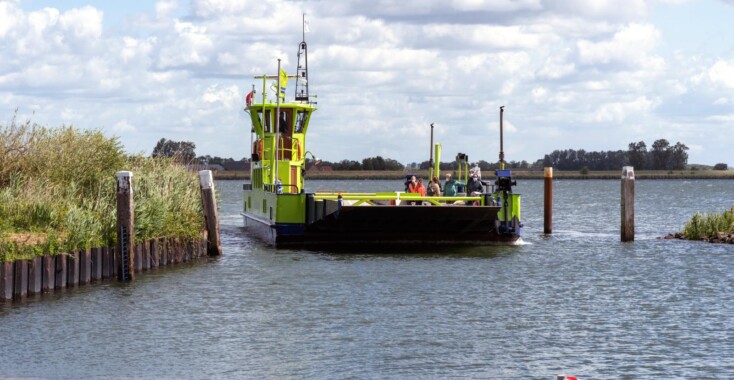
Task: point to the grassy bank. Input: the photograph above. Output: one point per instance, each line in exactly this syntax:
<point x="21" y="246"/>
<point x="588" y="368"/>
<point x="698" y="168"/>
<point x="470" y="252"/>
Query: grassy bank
<point x="519" y="174"/>
<point x="57" y="192"/>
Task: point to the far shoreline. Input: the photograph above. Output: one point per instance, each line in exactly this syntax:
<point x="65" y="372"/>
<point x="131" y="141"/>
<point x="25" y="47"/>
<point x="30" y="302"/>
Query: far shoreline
<point x="517" y="174"/>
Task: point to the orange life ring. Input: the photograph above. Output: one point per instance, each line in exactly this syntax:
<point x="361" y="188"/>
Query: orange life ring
<point x="298" y="148"/>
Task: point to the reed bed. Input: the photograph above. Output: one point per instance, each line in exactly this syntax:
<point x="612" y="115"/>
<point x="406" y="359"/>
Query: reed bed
<point x="58" y="192"/>
<point x="710" y="227"/>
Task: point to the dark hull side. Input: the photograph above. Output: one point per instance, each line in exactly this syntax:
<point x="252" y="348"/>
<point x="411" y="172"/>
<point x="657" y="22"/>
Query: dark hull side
<point x="390" y="225"/>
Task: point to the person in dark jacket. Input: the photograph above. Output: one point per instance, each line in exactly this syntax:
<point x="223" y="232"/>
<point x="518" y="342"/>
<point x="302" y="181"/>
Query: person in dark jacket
<point x="475" y="186"/>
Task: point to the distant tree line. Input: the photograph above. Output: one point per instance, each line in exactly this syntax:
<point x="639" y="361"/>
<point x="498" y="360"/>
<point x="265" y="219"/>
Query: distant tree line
<point x="185" y="152"/>
<point x="484" y="165"/>
<point x="370" y="163"/>
<point x="662" y="156"/>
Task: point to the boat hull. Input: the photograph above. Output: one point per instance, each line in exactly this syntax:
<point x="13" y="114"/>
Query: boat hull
<point x="381" y="225"/>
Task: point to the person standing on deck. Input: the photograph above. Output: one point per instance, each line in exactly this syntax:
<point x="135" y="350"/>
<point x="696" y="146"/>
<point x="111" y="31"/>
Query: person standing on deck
<point x="412" y="186"/>
<point x="476" y="170"/>
<point x="434" y="188"/>
<point x="278" y="186"/>
<point x="449" y="187"/>
<point x="475" y="186"/>
<point x="420" y="188"/>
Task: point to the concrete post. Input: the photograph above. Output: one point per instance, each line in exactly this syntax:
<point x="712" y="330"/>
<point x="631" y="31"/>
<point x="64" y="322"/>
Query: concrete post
<point x="211" y="218"/>
<point x="548" y="201"/>
<point x="628" y="203"/>
<point x="125" y="230"/>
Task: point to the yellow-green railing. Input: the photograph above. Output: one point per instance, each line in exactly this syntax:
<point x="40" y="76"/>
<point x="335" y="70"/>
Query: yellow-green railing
<point x="369" y="198"/>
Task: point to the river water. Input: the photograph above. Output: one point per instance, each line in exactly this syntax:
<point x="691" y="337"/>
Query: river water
<point x="577" y="302"/>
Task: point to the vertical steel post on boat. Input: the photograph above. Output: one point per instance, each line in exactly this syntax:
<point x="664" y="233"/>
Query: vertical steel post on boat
<point x="430" y="159"/>
<point x="252" y="130"/>
<point x="437" y="158"/>
<point x="502" y="147"/>
<point x="277" y="126"/>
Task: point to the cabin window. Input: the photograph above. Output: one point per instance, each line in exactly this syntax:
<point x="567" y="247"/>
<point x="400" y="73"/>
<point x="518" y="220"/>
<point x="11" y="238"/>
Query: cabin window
<point x="266" y="124"/>
<point x="300" y="121"/>
<point x="286" y="121"/>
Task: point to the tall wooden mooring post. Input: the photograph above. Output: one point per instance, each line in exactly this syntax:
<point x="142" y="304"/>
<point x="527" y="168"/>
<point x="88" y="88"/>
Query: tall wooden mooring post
<point x="125" y="227"/>
<point x="628" y="203"/>
<point x="211" y="217"/>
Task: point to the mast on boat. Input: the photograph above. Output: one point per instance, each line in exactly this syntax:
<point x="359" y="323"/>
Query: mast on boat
<point x="502" y="148"/>
<point x="302" y="94"/>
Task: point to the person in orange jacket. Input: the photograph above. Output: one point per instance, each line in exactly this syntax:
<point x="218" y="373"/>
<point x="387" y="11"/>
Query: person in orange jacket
<point x="420" y="188"/>
<point x="412" y="186"/>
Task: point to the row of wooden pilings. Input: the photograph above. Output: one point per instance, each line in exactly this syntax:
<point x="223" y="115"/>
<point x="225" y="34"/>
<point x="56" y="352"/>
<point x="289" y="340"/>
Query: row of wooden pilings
<point x="47" y="273"/>
<point x="627" y="203"/>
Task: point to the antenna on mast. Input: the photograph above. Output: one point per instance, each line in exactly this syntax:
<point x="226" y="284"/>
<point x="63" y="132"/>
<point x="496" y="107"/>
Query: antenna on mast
<point x="302" y="73"/>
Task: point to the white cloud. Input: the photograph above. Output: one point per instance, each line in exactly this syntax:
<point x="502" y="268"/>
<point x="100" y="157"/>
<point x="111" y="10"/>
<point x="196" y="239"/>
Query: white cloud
<point x="620" y="111"/>
<point x="123" y="126"/>
<point x="629" y="47"/>
<point x="9" y="17"/>
<point x="191" y="45"/>
<point x="722" y="73"/>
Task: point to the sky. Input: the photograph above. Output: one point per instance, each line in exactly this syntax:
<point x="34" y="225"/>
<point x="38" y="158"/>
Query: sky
<point x="572" y="74"/>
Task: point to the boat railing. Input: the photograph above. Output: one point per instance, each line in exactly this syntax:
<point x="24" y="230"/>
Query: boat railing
<point x="383" y="199"/>
<point x="289" y="149"/>
<point x="286" y="189"/>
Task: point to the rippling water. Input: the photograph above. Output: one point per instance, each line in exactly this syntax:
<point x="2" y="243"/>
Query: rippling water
<point x="578" y="302"/>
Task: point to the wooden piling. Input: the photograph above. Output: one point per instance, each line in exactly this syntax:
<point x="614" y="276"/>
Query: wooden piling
<point x="60" y="276"/>
<point x="548" y="200"/>
<point x="155" y="254"/>
<point x="628" y="203"/>
<point x="48" y="280"/>
<point x="138" y="258"/>
<point x="113" y="262"/>
<point x="125" y="224"/>
<point x="6" y="281"/>
<point x="85" y="266"/>
<point x="96" y="256"/>
<point x="146" y="255"/>
<point x="164" y="251"/>
<point x="107" y="260"/>
<point x="35" y="275"/>
<point x="72" y="270"/>
<point x="211" y="217"/>
<point x="20" y="283"/>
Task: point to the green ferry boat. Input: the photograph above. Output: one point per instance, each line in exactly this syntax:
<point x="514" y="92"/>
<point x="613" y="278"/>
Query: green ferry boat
<point x="278" y="209"/>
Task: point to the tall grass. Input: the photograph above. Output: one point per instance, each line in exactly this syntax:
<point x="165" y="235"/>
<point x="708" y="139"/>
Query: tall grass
<point x="708" y="225"/>
<point x="57" y="192"/>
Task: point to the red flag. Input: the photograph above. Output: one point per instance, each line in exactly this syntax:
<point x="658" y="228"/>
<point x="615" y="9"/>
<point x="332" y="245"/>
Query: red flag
<point x="248" y="98"/>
